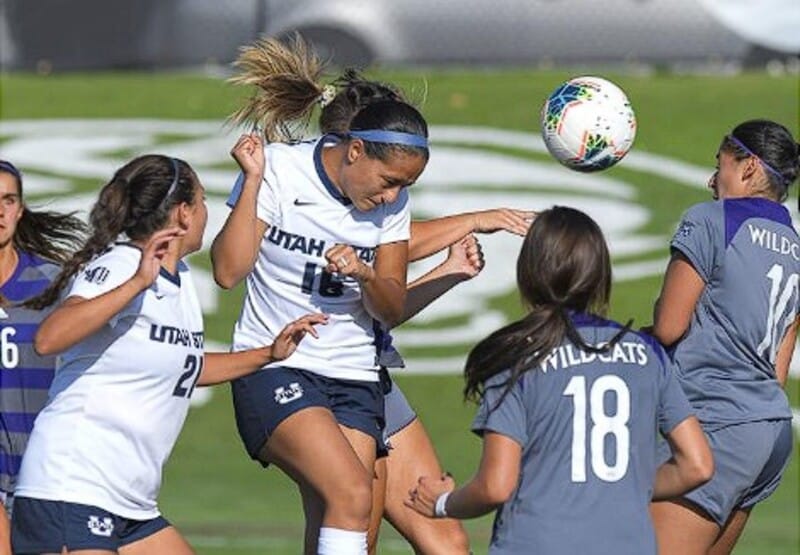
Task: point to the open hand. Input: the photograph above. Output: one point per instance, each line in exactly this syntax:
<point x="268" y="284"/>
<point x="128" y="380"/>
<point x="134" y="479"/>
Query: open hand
<point x="290" y="337"/>
<point x="153" y="253"/>
<point x="503" y="219"/>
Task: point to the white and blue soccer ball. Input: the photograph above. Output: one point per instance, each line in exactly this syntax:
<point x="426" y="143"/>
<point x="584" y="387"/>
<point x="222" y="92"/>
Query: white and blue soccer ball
<point x="588" y="124"/>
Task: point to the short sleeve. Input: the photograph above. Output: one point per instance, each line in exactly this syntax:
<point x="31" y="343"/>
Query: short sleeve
<point x="104" y="274"/>
<point x="397" y="222"/>
<point x="509" y="418"/>
<point x="699" y="237"/>
<point x="267" y="200"/>
<point x="673" y="406"/>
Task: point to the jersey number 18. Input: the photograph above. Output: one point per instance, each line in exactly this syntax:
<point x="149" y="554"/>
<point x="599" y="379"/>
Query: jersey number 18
<point x="602" y="424"/>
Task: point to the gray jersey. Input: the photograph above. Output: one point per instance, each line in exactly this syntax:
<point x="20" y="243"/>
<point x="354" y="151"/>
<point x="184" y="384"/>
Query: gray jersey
<point x="587" y="427"/>
<point x="748" y="254"/>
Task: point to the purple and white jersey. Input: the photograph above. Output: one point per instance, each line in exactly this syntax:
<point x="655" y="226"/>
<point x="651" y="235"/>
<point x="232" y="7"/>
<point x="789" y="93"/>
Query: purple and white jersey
<point x="748" y="254"/>
<point x="588" y="426"/>
<point x="24" y="375"/>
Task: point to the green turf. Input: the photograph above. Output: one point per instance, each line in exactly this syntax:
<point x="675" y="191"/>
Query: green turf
<point x="227" y="504"/>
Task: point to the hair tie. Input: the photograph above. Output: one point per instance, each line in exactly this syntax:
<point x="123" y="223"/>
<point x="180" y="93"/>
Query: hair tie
<point x="326" y="96"/>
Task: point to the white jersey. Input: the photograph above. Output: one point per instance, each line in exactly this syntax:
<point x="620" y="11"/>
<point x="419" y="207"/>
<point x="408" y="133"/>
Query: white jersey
<point x="120" y="397"/>
<point x="306" y="217"/>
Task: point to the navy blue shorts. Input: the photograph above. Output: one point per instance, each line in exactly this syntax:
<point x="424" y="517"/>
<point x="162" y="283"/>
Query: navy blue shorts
<point x="399" y="412"/>
<point x="41" y="526"/>
<point x="749" y="462"/>
<point x="266" y="398"/>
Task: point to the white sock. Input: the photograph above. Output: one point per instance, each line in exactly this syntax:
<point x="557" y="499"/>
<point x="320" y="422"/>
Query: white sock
<point x="335" y="541"/>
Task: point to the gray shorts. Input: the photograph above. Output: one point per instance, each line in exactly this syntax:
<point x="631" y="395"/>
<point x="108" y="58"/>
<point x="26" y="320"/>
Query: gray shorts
<point x="398" y="411"/>
<point x="749" y="462"/>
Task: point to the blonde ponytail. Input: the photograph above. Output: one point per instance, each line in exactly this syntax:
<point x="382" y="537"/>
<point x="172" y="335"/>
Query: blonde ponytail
<point x="286" y="76"/>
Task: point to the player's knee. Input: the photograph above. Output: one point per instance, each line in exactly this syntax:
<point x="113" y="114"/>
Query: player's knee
<point x="440" y="538"/>
<point x="352" y="505"/>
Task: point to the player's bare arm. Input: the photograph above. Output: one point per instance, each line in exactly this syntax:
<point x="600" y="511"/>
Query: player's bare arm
<point x="235" y="248"/>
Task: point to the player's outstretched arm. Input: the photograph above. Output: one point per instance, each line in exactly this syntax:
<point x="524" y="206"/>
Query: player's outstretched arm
<point x="235" y="248"/>
<point x="492" y="485"/>
<point x="675" y="305"/>
<point x="431" y="236"/>
<point x="77" y="317"/>
<point x="464" y="261"/>
<point x="691" y="465"/>
<point x="224" y="367"/>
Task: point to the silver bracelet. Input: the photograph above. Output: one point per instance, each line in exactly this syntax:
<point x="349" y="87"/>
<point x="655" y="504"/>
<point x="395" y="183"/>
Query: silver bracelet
<point x="440" y="509"/>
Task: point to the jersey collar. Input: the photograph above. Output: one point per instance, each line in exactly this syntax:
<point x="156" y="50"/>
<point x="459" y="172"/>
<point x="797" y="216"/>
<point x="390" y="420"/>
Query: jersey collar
<point x="323" y="175"/>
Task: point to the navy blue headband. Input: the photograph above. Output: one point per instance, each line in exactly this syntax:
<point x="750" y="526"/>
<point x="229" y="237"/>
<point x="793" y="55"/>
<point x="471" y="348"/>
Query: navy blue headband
<point x="767" y="167"/>
<point x="390" y="137"/>
<point x="11" y="168"/>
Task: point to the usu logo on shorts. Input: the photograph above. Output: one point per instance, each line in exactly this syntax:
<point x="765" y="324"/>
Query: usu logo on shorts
<point x="100" y="527"/>
<point x="288" y="394"/>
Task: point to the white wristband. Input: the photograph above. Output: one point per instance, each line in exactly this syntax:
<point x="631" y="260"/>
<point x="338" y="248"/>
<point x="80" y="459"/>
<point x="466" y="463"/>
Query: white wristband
<point x="440" y="509"/>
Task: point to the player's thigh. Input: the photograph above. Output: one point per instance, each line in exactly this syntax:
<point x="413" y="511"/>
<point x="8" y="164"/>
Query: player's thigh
<point x="310" y="447"/>
<point x="730" y="533"/>
<point x="412" y="455"/>
<point x="167" y="541"/>
<point x="682" y="528"/>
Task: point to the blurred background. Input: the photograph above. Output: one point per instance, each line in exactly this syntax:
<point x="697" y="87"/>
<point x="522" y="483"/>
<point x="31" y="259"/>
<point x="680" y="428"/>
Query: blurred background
<point x="60" y="35"/>
<point x="85" y="85"/>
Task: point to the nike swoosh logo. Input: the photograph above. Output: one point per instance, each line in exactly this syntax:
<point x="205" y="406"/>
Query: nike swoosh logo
<point x="298" y="202"/>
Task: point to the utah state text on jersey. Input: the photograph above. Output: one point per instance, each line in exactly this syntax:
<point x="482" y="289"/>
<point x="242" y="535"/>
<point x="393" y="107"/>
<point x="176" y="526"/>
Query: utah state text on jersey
<point x="310" y="245"/>
<point x="176" y="336"/>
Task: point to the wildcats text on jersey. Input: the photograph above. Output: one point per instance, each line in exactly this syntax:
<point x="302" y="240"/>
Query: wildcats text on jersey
<point x="773" y="241"/>
<point x="176" y="336"/>
<point x="566" y="356"/>
<point x="311" y="246"/>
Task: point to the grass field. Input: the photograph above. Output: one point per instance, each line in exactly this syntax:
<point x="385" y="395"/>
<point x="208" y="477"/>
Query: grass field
<point x="225" y="503"/>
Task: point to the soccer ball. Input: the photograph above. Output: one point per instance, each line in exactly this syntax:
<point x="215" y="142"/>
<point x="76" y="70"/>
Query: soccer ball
<point x="588" y="124"/>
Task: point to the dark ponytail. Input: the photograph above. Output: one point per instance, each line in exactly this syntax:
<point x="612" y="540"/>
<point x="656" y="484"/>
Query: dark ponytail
<point x="136" y="202"/>
<point x="775" y="148"/>
<point x="563" y="267"/>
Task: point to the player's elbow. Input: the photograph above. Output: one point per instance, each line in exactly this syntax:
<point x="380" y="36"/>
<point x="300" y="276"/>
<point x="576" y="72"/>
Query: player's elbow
<point x="225" y="274"/>
<point x="696" y="468"/>
<point x="700" y="468"/>
<point x="497" y="490"/>
<point x="44" y="344"/>
<point x="668" y="333"/>
<point x="225" y="279"/>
